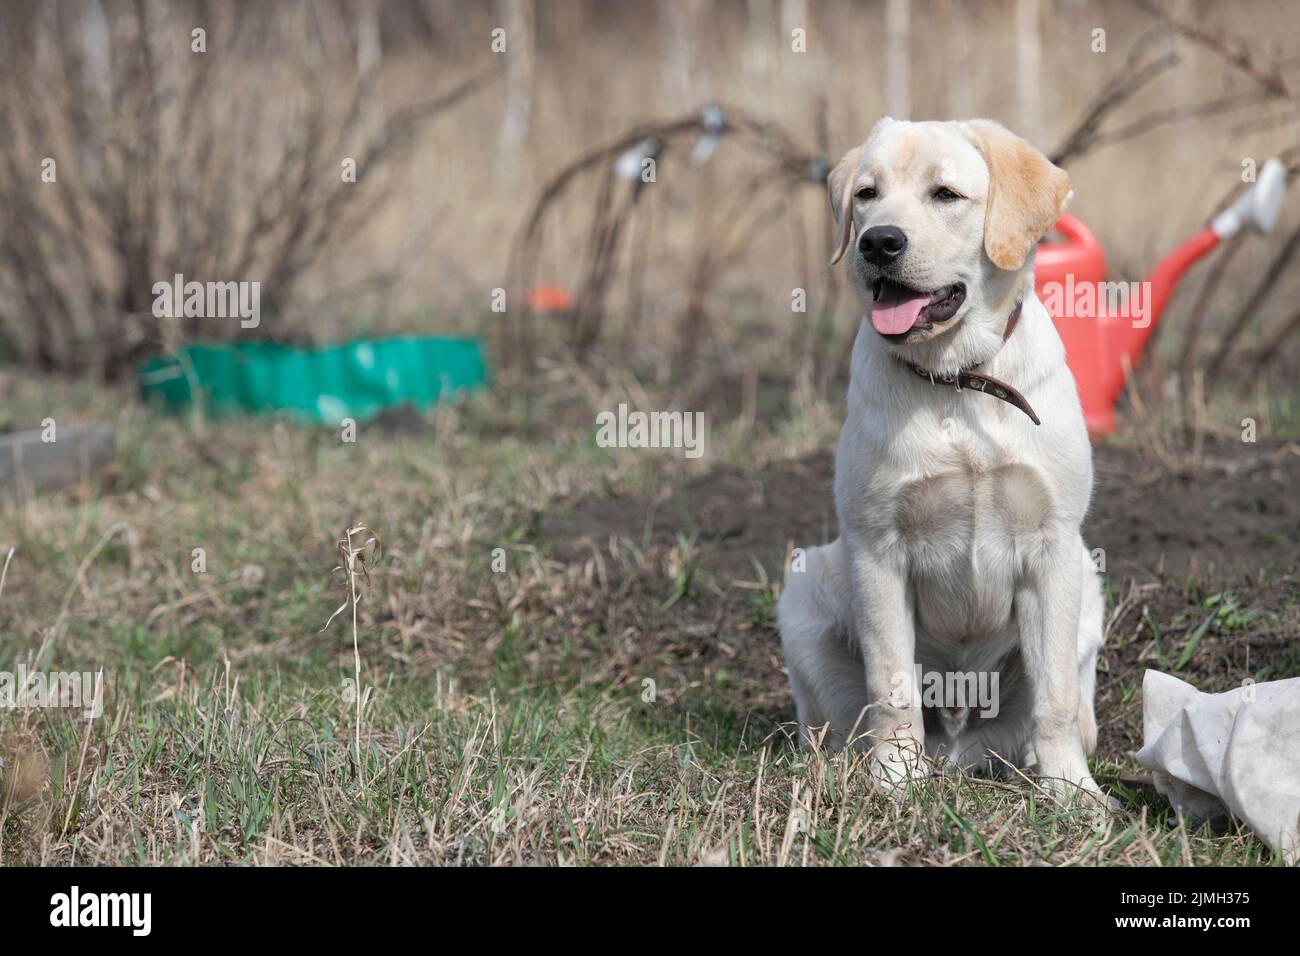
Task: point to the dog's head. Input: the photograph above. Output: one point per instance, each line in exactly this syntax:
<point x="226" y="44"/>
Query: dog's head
<point x="946" y="216"/>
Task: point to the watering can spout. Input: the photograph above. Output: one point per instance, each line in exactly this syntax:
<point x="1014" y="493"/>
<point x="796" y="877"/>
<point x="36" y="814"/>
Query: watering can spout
<point x="1257" y="209"/>
<point x="1102" y="348"/>
<point x="1259" y="206"/>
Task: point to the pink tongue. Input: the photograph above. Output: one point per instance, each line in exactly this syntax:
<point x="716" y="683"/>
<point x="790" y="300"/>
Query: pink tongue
<point x="896" y="310"/>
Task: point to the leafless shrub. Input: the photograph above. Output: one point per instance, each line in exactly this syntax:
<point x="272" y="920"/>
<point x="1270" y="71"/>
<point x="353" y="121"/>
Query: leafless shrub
<point x="615" y="200"/>
<point x="220" y="165"/>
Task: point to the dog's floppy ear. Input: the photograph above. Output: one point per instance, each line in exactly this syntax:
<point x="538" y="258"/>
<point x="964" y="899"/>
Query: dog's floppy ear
<point x="1027" y="193"/>
<point x="838" y="185"/>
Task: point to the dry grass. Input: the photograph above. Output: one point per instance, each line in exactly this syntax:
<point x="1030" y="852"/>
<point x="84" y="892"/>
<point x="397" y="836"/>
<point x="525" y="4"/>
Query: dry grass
<point x="493" y="717"/>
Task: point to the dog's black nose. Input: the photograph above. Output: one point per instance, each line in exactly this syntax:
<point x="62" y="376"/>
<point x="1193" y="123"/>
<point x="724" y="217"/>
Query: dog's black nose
<point x="881" y="245"/>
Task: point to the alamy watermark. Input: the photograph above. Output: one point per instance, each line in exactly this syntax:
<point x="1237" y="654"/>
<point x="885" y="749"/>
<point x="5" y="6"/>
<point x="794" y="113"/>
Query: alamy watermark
<point x="1091" y="300"/>
<point x="41" y="690"/>
<point x="947" y="689"/>
<point x="133" y="911"/>
<point x="208" y="300"/>
<point x="636" y="429"/>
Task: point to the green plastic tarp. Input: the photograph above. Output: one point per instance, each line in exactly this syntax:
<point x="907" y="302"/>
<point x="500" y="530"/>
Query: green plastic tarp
<point x="321" y="385"/>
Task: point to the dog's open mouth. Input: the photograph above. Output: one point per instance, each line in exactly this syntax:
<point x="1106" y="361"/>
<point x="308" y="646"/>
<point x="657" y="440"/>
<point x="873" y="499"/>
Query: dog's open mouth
<point x="897" y="310"/>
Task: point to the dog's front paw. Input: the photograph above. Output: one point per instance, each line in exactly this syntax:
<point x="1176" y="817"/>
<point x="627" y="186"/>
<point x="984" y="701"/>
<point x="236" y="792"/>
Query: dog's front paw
<point x="1077" y="788"/>
<point x="895" y="764"/>
<point x="1063" y="772"/>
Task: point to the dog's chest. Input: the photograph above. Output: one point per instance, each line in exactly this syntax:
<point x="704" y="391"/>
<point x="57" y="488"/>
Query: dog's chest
<point x="968" y="528"/>
<point x="959" y="514"/>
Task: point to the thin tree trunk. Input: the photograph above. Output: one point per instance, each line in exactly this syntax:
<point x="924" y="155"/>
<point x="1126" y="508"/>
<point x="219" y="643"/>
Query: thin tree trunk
<point x="520" y="22"/>
<point x="898" y="58"/>
<point x="1029" y="69"/>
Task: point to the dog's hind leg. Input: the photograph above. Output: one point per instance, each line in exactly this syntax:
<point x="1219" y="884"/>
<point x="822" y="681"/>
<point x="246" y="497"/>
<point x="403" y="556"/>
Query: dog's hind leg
<point x="826" y="676"/>
<point x="1092" y="615"/>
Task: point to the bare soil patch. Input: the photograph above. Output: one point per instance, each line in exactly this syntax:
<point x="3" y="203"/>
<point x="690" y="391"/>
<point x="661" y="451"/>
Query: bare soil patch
<point x="1180" y="548"/>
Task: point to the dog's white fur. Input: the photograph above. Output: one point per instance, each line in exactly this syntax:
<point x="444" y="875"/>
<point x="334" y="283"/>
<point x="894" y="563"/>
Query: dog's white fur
<point x="960" y="545"/>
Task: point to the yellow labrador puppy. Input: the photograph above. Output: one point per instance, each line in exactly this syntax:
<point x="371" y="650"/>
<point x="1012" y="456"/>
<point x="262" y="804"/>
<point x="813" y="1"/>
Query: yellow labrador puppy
<point x="961" y="480"/>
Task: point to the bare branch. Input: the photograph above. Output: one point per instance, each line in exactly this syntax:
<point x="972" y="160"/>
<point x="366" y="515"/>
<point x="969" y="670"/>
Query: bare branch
<point x="1231" y="49"/>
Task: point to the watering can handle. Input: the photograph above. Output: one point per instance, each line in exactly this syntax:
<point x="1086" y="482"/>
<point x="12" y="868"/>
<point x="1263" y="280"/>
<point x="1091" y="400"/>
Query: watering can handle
<point x="1075" y="232"/>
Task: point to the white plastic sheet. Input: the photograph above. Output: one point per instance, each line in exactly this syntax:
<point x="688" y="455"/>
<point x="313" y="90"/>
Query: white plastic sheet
<point x="1234" y="753"/>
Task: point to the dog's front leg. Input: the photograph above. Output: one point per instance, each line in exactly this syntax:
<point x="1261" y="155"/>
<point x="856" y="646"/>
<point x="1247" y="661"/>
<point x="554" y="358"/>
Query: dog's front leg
<point x="886" y="632"/>
<point x="1047" y="610"/>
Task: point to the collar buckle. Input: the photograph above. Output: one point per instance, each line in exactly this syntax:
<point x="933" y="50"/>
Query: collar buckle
<point x="980" y="382"/>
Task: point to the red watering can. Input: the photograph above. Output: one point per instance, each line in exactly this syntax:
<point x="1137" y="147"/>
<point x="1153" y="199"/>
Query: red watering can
<point x="1106" y="325"/>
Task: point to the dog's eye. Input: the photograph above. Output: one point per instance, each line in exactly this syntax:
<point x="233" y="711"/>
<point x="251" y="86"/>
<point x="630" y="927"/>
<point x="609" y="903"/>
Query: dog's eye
<point x="866" y="192"/>
<point x="944" y="194"/>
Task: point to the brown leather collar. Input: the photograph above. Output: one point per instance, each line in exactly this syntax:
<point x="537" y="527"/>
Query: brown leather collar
<point x="969" y="378"/>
